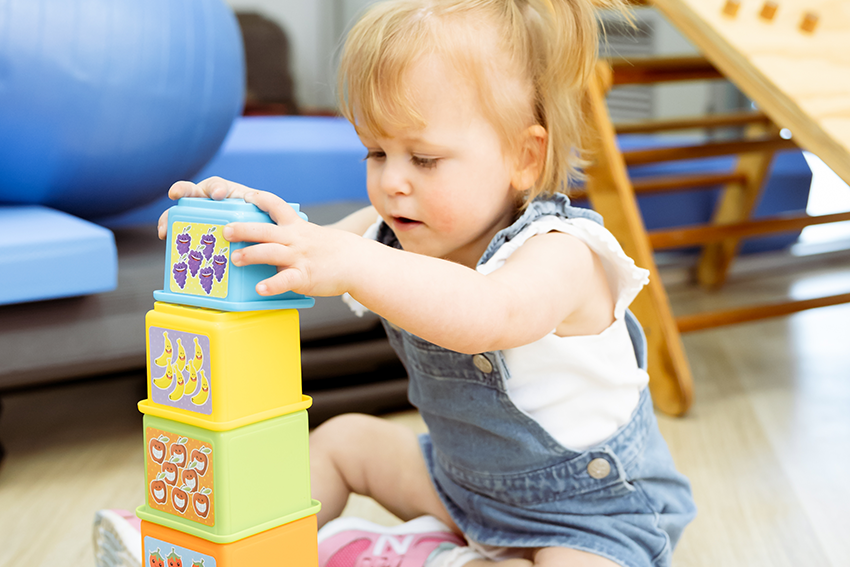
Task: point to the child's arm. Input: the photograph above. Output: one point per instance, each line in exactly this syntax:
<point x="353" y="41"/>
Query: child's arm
<point x="358" y="221"/>
<point x="550" y="282"/>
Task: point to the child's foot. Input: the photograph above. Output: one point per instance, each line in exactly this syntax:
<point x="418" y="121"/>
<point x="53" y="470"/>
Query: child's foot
<point x="352" y="542"/>
<point x="117" y="539"/>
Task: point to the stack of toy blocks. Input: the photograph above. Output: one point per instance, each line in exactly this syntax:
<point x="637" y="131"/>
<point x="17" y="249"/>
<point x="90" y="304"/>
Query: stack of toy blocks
<point x="226" y="437"/>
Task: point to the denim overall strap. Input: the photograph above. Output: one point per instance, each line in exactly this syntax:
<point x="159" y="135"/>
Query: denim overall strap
<point x="556" y="204"/>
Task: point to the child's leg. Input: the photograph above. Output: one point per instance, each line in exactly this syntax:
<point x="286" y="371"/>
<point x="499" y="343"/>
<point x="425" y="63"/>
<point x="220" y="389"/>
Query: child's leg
<point x="373" y="457"/>
<point x="549" y="557"/>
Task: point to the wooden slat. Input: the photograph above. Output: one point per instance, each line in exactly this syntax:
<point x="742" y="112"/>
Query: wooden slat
<point x="679" y="182"/>
<point x="644" y="70"/>
<point x="700" y="321"/>
<point x="676" y="238"/>
<point x="709" y="149"/>
<point x="675" y="183"/>
<point x="709" y="121"/>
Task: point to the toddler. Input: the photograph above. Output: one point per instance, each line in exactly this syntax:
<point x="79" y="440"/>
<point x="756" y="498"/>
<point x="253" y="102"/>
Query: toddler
<point x="507" y="305"/>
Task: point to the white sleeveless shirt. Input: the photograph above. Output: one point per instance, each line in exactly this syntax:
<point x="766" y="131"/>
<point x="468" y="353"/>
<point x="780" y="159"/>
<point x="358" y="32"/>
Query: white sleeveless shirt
<point x="580" y="389"/>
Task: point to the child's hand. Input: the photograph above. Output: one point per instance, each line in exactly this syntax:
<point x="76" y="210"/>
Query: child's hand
<point x="212" y="187"/>
<point x="311" y="260"/>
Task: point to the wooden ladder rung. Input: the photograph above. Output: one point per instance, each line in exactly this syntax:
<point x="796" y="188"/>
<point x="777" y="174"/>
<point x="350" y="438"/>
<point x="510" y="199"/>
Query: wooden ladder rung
<point x="675" y="238"/>
<point x="644" y="70"/>
<point x="679" y="182"/>
<point x="700" y="321"/>
<point x="709" y="149"/>
<point x="710" y="121"/>
<point x="675" y="183"/>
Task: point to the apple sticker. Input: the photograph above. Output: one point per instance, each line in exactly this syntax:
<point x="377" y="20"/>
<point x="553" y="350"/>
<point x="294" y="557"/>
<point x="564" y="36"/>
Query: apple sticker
<point x="201" y="502"/>
<point x="159" y="491"/>
<point x="190" y="478"/>
<point x="199" y="456"/>
<point x="178" y="452"/>
<point x="179" y="499"/>
<point x="169" y="469"/>
<point x="157" y="449"/>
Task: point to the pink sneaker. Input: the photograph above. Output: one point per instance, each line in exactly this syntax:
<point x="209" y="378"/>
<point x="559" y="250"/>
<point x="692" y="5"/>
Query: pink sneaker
<point x="353" y="542"/>
<point x="117" y="539"/>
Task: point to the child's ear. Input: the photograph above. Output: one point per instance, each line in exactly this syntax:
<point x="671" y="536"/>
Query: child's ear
<point x="530" y="158"/>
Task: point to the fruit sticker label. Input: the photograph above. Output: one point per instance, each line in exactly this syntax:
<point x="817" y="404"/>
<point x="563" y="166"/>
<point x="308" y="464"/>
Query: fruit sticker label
<point x="180" y="476"/>
<point x="179" y="366"/>
<point x="200" y="258"/>
<point x="157" y="554"/>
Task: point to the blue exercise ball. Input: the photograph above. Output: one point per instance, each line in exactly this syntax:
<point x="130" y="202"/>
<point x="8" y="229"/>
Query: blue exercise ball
<point x="105" y="103"/>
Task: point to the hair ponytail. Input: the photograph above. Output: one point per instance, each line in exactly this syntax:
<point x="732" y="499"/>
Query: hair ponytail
<point x="564" y="48"/>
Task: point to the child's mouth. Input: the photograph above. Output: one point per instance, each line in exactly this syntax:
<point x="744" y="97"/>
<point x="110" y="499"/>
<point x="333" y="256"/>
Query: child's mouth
<point x="404" y="222"/>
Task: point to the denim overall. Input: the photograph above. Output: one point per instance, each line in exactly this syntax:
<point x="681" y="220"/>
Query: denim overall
<point x="506" y="482"/>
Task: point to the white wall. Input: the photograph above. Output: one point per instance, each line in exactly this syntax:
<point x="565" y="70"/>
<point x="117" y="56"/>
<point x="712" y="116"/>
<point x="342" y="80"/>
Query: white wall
<point x="315" y="29"/>
<point x="310" y="27"/>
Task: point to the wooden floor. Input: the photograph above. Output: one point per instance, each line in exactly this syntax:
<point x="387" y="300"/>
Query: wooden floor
<point x="766" y="444"/>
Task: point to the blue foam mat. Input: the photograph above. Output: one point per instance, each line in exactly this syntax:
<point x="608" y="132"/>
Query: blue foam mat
<point x="47" y="254"/>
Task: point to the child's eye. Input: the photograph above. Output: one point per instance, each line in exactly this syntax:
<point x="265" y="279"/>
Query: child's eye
<point x="425" y="162"/>
<point x="375" y="154"/>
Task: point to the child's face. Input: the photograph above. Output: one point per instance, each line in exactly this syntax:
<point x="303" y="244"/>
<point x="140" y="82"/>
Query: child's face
<point x="445" y="190"/>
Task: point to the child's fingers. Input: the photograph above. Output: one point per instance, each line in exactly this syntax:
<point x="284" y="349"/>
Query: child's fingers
<point x="212" y="187"/>
<point x="184" y="189"/>
<point x="278" y="209"/>
<point x="254" y="232"/>
<point x="218" y="188"/>
<point x="162" y="225"/>
<point x="285" y="280"/>
<point x="266" y="253"/>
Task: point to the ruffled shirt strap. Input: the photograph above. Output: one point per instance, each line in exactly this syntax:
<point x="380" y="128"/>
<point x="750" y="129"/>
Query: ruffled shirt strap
<point x="625" y="278"/>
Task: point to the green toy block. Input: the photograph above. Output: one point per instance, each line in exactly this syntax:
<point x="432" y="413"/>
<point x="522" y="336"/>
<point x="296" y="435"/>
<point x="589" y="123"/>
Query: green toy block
<point x="223" y="486"/>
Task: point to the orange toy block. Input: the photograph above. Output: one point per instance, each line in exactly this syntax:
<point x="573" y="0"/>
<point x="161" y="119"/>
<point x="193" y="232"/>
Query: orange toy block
<point x="293" y="544"/>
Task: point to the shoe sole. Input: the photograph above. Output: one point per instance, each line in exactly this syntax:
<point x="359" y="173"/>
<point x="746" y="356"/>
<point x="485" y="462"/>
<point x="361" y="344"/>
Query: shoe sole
<point x="424" y="524"/>
<point x="116" y="544"/>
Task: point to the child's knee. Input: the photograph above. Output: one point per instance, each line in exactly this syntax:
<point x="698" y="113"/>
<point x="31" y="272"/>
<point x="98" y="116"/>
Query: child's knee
<point x="341" y="432"/>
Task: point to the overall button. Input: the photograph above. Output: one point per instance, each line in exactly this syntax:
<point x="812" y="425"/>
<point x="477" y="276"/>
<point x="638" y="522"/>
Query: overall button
<point x="482" y="363"/>
<point x="598" y="468"/>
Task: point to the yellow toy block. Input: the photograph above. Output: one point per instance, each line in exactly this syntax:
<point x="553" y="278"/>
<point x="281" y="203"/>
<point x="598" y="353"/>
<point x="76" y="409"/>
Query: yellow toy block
<point x="222" y="369"/>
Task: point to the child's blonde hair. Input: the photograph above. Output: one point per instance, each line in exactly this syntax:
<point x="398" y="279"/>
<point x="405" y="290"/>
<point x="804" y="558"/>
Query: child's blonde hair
<point x="529" y="60"/>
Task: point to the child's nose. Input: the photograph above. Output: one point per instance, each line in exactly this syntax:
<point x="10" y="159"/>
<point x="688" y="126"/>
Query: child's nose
<point x="394" y="180"/>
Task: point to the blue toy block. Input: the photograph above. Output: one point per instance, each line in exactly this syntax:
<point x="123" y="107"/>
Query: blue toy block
<point x="198" y="269"/>
<point x="46" y="254"/>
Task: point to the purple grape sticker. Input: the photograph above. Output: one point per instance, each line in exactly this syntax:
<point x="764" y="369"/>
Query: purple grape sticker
<point x="206" y="279"/>
<point x="184" y="241"/>
<point x="208" y="242"/>
<point x="195" y="258"/>
<point x="220" y="264"/>
<point x="179" y="271"/>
